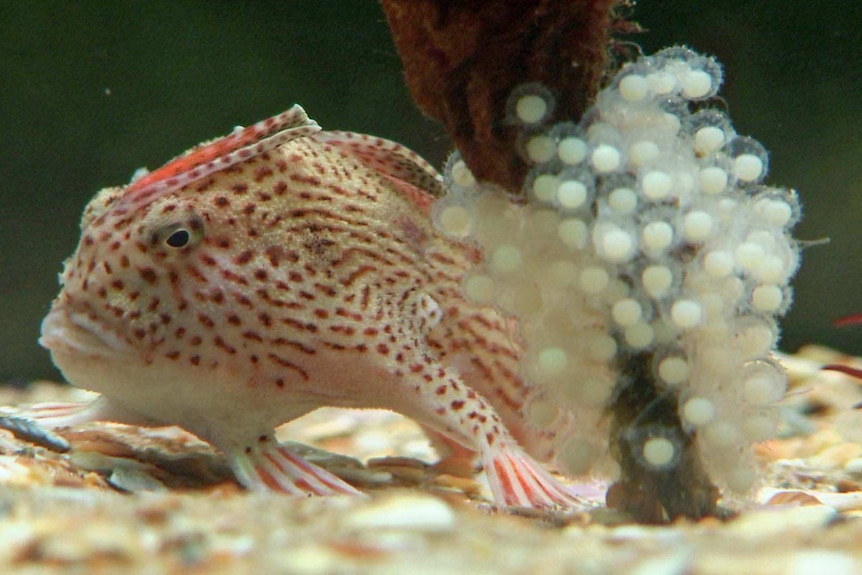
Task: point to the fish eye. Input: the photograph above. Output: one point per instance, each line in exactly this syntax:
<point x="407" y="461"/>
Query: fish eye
<point x="179" y="238"/>
<point x="176" y="236"/>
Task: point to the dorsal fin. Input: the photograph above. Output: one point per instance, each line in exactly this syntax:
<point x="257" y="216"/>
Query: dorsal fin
<point x="415" y="177"/>
<point x="205" y="159"/>
<point x="853" y="319"/>
<point x="845" y="369"/>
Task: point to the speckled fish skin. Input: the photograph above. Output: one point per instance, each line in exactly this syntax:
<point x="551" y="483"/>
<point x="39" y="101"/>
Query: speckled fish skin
<point x="299" y="276"/>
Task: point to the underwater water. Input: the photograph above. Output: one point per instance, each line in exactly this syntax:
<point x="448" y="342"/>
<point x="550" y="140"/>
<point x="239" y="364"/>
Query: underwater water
<point x="93" y="91"/>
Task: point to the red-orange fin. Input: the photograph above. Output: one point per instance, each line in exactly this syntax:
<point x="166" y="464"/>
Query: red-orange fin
<point x="847" y="370"/>
<point x="241" y="145"/>
<point x="852" y="319"/>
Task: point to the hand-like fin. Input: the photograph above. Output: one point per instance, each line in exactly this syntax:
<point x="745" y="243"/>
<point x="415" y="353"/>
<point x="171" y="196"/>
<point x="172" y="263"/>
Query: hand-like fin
<point x="516" y="480"/>
<point x="273" y="467"/>
<point x="52" y="414"/>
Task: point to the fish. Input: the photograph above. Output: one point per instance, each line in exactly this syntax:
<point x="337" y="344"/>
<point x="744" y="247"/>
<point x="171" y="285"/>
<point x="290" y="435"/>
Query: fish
<point x="280" y="269"/>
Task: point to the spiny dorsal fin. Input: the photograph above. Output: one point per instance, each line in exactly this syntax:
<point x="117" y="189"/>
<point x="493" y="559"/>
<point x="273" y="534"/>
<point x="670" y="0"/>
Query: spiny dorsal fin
<point x="420" y="181"/>
<point x="239" y="146"/>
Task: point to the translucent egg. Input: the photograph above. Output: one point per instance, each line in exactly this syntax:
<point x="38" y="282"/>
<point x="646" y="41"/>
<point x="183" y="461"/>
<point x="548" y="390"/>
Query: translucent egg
<point x="674" y="55"/>
<point x="686" y="313"/>
<point x="572" y="150"/>
<point x="719" y="263"/>
<point x="721" y="434"/>
<point x="776" y="212"/>
<point x="662" y="82"/>
<point x="697" y="84"/>
<point x="656" y="184"/>
<point x="698" y="411"/>
<point x="741" y="479"/>
<point x="657" y="280"/>
<point x="641" y="335"/>
<point x="671" y="122"/>
<point x="748" y="167"/>
<point x="750" y="255"/>
<point x="643" y="152"/>
<point x="673" y="370"/>
<point x="712" y="180"/>
<point x="767" y="298"/>
<point x="697" y="226"/>
<point x="627" y="312"/>
<point x="530" y="104"/>
<point x="593" y="280"/>
<point x="749" y="159"/>
<point x="699" y="76"/>
<point x="623" y="200"/>
<point x="759" y="428"/>
<point x="755" y="337"/>
<point x="531" y="108"/>
<point x="602" y="348"/>
<point x="506" y="259"/>
<point x="711" y="128"/>
<point x="766" y="238"/>
<point x="708" y="140"/>
<point x="540" y="149"/>
<point x="717" y="359"/>
<point x="779" y="208"/>
<point x="659" y="452"/>
<point x="552" y="361"/>
<point x="613" y="243"/>
<point x="573" y="232"/>
<point x="578" y="456"/>
<point x="543" y="186"/>
<point x="542" y="413"/>
<point x="455" y="220"/>
<point x="458" y="171"/>
<point x="605" y="159"/>
<point x="656" y="237"/>
<point x="480" y="288"/>
<point x="573" y="194"/>
<point x="633" y="88"/>
<point x="594" y="391"/>
<point x="762" y="382"/>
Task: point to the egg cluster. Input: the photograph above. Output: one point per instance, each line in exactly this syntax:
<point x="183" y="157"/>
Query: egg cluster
<point x="644" y="231"/>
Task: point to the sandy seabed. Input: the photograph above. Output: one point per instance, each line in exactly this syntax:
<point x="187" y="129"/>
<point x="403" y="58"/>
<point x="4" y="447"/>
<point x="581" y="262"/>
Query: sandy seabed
<point x="132" y="500"/>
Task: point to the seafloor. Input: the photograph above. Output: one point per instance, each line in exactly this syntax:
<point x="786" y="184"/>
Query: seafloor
<point x="129" y="500"/>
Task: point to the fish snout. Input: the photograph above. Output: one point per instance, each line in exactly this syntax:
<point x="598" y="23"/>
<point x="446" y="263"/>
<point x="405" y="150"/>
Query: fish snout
<point x="65" y="331"/>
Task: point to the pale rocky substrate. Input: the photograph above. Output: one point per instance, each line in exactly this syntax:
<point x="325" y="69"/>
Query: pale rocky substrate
<point x="64" y="513"/>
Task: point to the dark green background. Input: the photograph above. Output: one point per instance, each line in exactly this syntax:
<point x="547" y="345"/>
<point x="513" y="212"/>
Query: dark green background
<point x="90" y="91"/>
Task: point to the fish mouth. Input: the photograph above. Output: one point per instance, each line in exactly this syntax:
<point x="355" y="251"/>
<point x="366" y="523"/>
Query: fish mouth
<point x="67" y="332"/>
